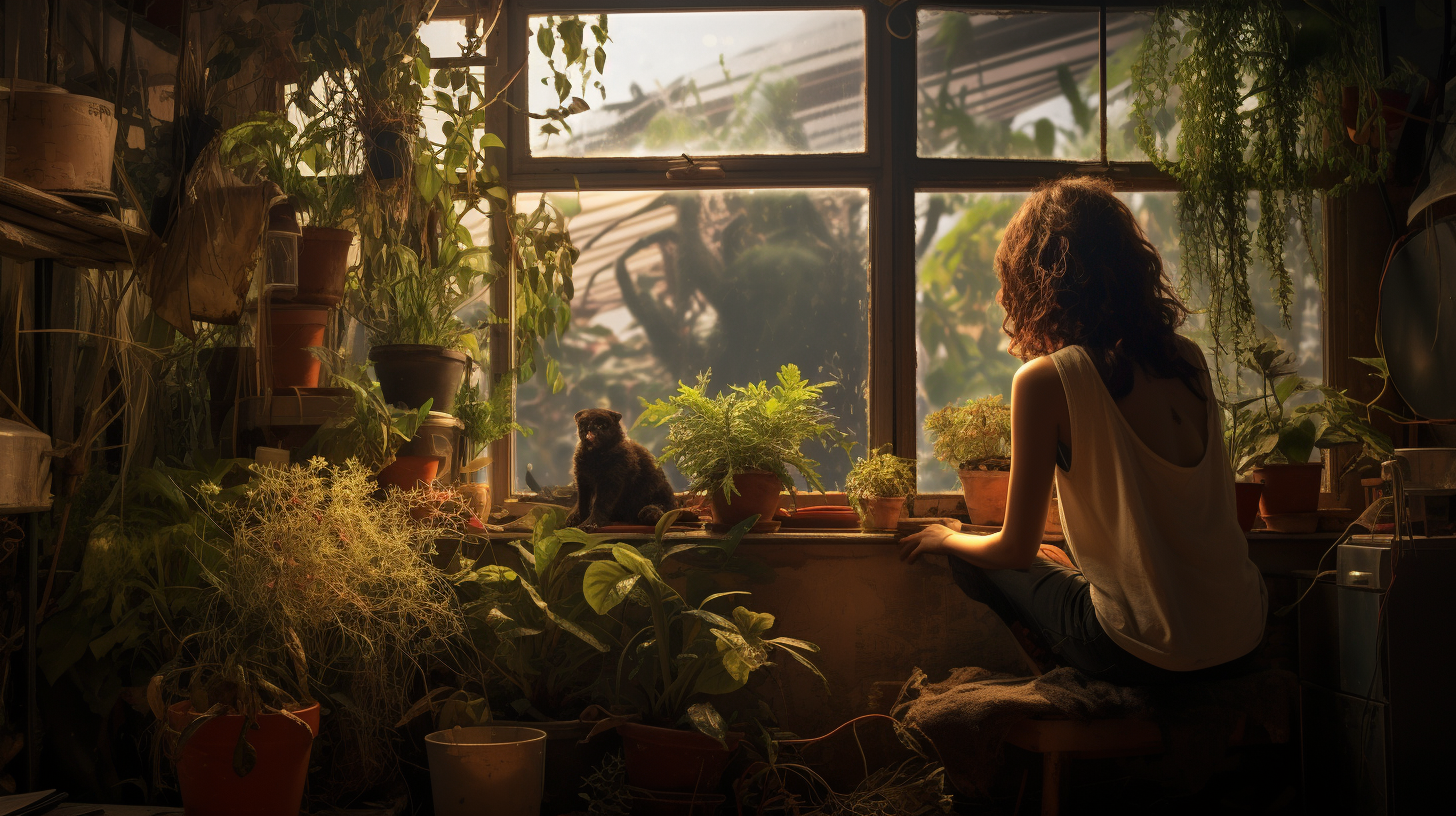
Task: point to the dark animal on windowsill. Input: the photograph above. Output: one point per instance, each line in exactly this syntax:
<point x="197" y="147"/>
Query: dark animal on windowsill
<point x="617" y="480"/>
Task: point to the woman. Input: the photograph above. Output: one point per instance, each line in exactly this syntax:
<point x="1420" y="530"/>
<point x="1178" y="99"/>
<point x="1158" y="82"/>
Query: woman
<point x="1118" y="408"/>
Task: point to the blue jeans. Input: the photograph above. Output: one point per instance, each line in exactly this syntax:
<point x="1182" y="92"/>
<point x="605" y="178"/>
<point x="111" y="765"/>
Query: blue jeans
<point x="1055" y="604"/>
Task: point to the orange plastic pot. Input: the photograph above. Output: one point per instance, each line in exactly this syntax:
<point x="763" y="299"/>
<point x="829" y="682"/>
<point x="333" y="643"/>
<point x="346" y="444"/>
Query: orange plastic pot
<point x="293" y="329"/>
<point x="210" y="786"/>
<point x="666" y="759"/>
<point x="985" y="492"/>
<point x="758" y="494"/>
<point x="883" y="513"/>
<point x="410" y="472"/>
<point x="1246" y="495"/>
<point x="1289" y="488"/>
<point x="323" y="265"/>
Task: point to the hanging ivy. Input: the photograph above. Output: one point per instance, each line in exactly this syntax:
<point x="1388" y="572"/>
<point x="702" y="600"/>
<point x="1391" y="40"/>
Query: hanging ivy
<point x="1257" y="90"/>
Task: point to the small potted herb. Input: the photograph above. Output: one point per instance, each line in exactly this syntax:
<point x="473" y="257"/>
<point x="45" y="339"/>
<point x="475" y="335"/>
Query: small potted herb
<point x="679" y="655"/>
<point x="975" y="438"/>
<point x="372" y="432"/>
<point x="1272" y="439"/>
<point x="878" y="487"/>
<point x="737" y="447"/>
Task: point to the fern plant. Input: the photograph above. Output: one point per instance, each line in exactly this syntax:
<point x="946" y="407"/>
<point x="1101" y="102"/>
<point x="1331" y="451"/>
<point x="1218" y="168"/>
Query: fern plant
<point x="1257" y="88"/>
<point x="752" y="427"/>
<point x="973" y="436"/>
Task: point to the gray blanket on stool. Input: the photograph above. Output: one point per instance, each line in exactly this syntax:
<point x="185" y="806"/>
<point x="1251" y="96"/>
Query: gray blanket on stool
<point x="968" y="715"/>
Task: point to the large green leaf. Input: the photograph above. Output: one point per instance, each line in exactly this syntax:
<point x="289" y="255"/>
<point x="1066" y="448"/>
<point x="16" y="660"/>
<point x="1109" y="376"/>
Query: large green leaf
<point x="607" y="584"/>
<point x="709" y="722"/>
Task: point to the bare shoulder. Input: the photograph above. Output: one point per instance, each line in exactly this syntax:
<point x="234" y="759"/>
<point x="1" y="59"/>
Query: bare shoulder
<point x="1038" y="376"/>
<point x="1192" y="352"/>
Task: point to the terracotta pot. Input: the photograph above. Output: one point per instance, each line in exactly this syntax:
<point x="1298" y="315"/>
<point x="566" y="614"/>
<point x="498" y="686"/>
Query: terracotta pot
<point x="323" y="265"/>
<point x="409" y="472"/>
<point x="883" y="512"/>
<point x="985" y="492"/>
<point x="293" y="329"/>
<point x="1289" y="488"/>
<point x="205" y="773"/>
<point x="411" y="374"/>
<point x="1246" y="495"/>
<point x="666" y="759"/>
<point x="758" y="494"/>
<point x="568" y="760"/>
<point x="1392" y="103"/>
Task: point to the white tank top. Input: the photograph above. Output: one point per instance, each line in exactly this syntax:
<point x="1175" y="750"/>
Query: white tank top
<point x="1160" y="544"/>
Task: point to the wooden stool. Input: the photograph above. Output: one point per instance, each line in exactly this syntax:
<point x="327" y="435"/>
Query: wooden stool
<point x="1059" y="740"/>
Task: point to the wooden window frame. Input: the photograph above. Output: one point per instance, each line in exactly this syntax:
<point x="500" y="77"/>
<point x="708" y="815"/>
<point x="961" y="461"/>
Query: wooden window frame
<point x="889" y="168"/>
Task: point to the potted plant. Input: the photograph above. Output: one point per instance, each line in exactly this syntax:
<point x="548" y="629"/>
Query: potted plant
<point x="737" y="447"/>
<point x="269" y="146"/>
<point x="312" y="591"/>
<point x="975" y="438"/>
<point x="371" y="433"/>
<point x="679" y="655"/>
<point x="879" y="486"/>
<point x="545" y="647"/>
<point x="1272" y="438"/>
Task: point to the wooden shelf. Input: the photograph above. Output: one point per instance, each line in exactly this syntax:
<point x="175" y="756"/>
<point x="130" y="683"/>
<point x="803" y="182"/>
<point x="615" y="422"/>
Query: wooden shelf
<point x="35" y="225"/>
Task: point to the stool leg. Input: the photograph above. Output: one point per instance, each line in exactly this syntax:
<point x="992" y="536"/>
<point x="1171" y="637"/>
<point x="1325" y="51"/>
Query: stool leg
<point x="1051" y="783"/>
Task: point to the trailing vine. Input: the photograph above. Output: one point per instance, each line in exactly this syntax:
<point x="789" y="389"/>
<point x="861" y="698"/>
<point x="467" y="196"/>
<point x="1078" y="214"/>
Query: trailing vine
<point x="1257" y="90"/>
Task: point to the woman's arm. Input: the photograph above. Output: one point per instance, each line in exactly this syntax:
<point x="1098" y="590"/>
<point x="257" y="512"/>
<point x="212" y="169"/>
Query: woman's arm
<point x="1038" y="407"/>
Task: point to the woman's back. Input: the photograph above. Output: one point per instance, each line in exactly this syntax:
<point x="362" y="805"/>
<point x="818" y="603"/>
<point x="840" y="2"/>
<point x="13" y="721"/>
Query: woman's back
<point x="1148" y="513"/>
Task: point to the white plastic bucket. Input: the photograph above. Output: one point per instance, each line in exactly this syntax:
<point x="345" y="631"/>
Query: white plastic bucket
<point x="487" y="770"/>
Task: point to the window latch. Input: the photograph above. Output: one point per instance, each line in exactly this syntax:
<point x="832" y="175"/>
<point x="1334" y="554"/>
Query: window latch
<point x="689" y="168"/>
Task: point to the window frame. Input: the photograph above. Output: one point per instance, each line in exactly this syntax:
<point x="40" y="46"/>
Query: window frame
<point x="889" y="168"/>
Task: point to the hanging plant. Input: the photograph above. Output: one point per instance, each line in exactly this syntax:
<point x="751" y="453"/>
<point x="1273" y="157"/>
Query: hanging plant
<point x="1257" y="88"/>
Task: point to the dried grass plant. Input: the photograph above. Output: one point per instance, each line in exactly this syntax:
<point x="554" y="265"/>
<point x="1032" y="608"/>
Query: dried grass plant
<point x="318" y="590"/>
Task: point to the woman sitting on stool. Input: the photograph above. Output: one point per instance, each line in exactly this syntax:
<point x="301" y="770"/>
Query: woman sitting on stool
<point x="1119" y="409"/>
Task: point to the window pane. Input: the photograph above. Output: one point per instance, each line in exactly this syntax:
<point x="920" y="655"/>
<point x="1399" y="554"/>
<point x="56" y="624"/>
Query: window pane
<point x="672" y="284"/>
<point x="1125" y="33"/>
<point x="1010" y="84"/>
<point x="707" y="83"/>
<point x="961" y="350"/>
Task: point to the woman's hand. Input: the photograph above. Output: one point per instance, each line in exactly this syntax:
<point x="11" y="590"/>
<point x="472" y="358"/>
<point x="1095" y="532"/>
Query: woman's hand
<point x="934" y="539"/>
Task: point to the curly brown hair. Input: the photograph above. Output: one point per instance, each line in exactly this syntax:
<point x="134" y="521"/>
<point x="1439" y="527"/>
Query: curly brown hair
<point x="1077" y="270"/>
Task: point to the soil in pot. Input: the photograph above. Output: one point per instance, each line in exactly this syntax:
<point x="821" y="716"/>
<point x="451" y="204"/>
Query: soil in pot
<point x="410" y="472"/>
<point x="410" y="374"/>
<point x="1289" y="488"/>
<point x="1246" y="496"/>
<point x="323" y="265"/>
<point x="568" y="760"/>
<point x="499" y="770"/>
<point x="883" y="512"/>
<point x="274" y="787"/>
<point x="758" y="494"/>
<point x="293" y="329"/>
<point x="666" y="759"/>
<point x="985" y="492"/>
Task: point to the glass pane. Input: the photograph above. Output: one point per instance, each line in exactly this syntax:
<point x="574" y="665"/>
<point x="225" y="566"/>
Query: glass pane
<point x="706" y="83"/>
<point x="1010" y="84"/>
<point x="1125" y="33"/>
<point x="672" y="284"/>
<point x="961" y="350"/>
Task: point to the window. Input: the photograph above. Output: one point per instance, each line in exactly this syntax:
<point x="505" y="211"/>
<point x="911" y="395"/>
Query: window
<point x="866" y="179"/>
